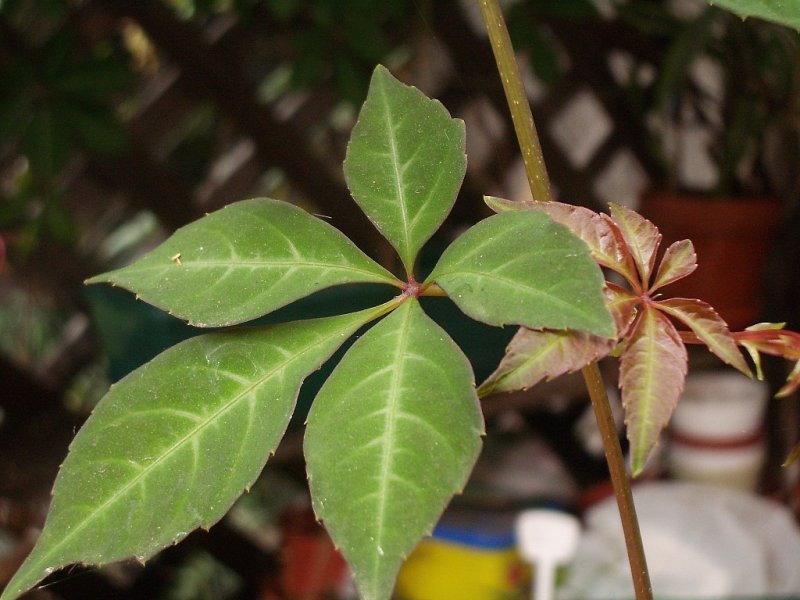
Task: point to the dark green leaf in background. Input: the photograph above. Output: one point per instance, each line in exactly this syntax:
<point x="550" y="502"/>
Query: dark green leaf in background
<point x="392" y="435"/>
<point x="244" y="261"/>
<point x="46" y="143"/>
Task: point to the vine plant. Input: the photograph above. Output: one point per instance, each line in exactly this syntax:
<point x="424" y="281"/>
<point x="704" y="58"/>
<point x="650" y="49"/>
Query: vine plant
<point x="394" y="431"/>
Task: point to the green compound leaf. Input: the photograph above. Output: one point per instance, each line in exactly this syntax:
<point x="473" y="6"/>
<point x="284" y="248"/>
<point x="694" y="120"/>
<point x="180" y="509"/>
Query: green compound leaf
<point x="173" y="444"/>
<point x="786" y="12"/>
<point x="405" y="163"/>
<point x="392" y="435"/>
<point x="523" y="268"/>
<point x="244" y="261"/>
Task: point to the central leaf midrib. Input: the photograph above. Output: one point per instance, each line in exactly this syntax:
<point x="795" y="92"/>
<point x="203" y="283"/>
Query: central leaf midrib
<point x="189" y="264"/>
<point x="389" y="433"/>
<point x="401" y="197"/>
<point x="185" y="439"/>
<point x="649" y="325"/>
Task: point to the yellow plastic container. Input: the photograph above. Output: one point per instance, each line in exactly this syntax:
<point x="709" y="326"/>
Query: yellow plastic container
<point x="474" y="561"/>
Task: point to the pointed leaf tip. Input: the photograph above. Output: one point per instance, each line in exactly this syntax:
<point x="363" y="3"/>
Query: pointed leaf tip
<point x="405" y="163"/>
<point x="641" y="236"/>
<point x="680" y="260"/>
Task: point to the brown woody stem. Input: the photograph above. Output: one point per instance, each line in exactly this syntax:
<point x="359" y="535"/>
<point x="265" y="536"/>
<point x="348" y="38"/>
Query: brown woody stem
<point x="540" y="189"/>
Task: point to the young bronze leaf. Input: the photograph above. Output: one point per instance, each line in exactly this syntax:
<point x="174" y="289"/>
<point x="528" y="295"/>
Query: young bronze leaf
<point x="244" y="261"/>
<point x="753" y="341"/>
<point x="771" y="338"/>
<point x="641" y="236"/>
<point x="704" y="321"/>
<point x="605" y="245"/>
<point x="679" y="261"/>
<point x="172" y="445"/>
<point x="405" y="163"/>
<point x="792" y="382"/>
<point x="652" y="373"/>
<point x="793" y="456"/>
<point x="622" y="305"/>
<point x="525" y="269"/>
<point x="392" y="435"/>
<point x="532" y="356"/>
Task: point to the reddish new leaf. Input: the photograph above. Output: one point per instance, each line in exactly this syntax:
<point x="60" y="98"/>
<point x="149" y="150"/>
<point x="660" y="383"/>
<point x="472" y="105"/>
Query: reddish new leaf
<point x="606" y="245"/>
<point x="652" y="373"/>
<point x="771" y="339"/>
<point x="792" y="382"/>
<point x="793" y="456"/>
<point x="679" y="261"/>
<point x="704" y="321"/>
<point x="641" y="236"/>
<point x="622" y="305"/>
<point x="536" y="355"/>
<point x="753" y="347"/>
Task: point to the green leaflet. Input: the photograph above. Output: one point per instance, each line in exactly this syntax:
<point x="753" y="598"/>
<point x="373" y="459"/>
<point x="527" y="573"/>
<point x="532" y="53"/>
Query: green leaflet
<point x="244" y="261"/>
<point x="523" y="268"/>
<point x="405" y="163"/>
<point x="173" y="444"/>
<point x="786" y="13"/>
<point x="392" y="435"/>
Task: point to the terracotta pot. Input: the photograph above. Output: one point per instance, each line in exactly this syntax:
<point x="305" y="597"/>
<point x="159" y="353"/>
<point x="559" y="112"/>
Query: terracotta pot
<point x="732" y="238"/>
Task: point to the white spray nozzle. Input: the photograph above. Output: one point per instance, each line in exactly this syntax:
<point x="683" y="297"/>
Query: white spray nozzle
<point x="546" y="539"/>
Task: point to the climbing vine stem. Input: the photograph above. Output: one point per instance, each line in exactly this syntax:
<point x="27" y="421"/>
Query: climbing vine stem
<point x="539" y="182"/>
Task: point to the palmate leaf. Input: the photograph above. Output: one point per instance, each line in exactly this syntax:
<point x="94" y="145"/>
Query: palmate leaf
<point x="652" y="373"/>
<point x="524" y="268"/>
<point x="405" y="163"/>
<point x="392" y="435"/>
<point x="786" y="12"/>
<point x="174" y="443"/>
<point x="533" y="356"/>
<point x="244" y="261"/>
<point x="704" y="321"/>
<point x="641" y="236"/>
<point x="604" y="240"/>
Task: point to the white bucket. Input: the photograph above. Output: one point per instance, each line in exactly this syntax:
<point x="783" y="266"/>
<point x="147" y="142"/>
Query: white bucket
<point x="716" y="434"/>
